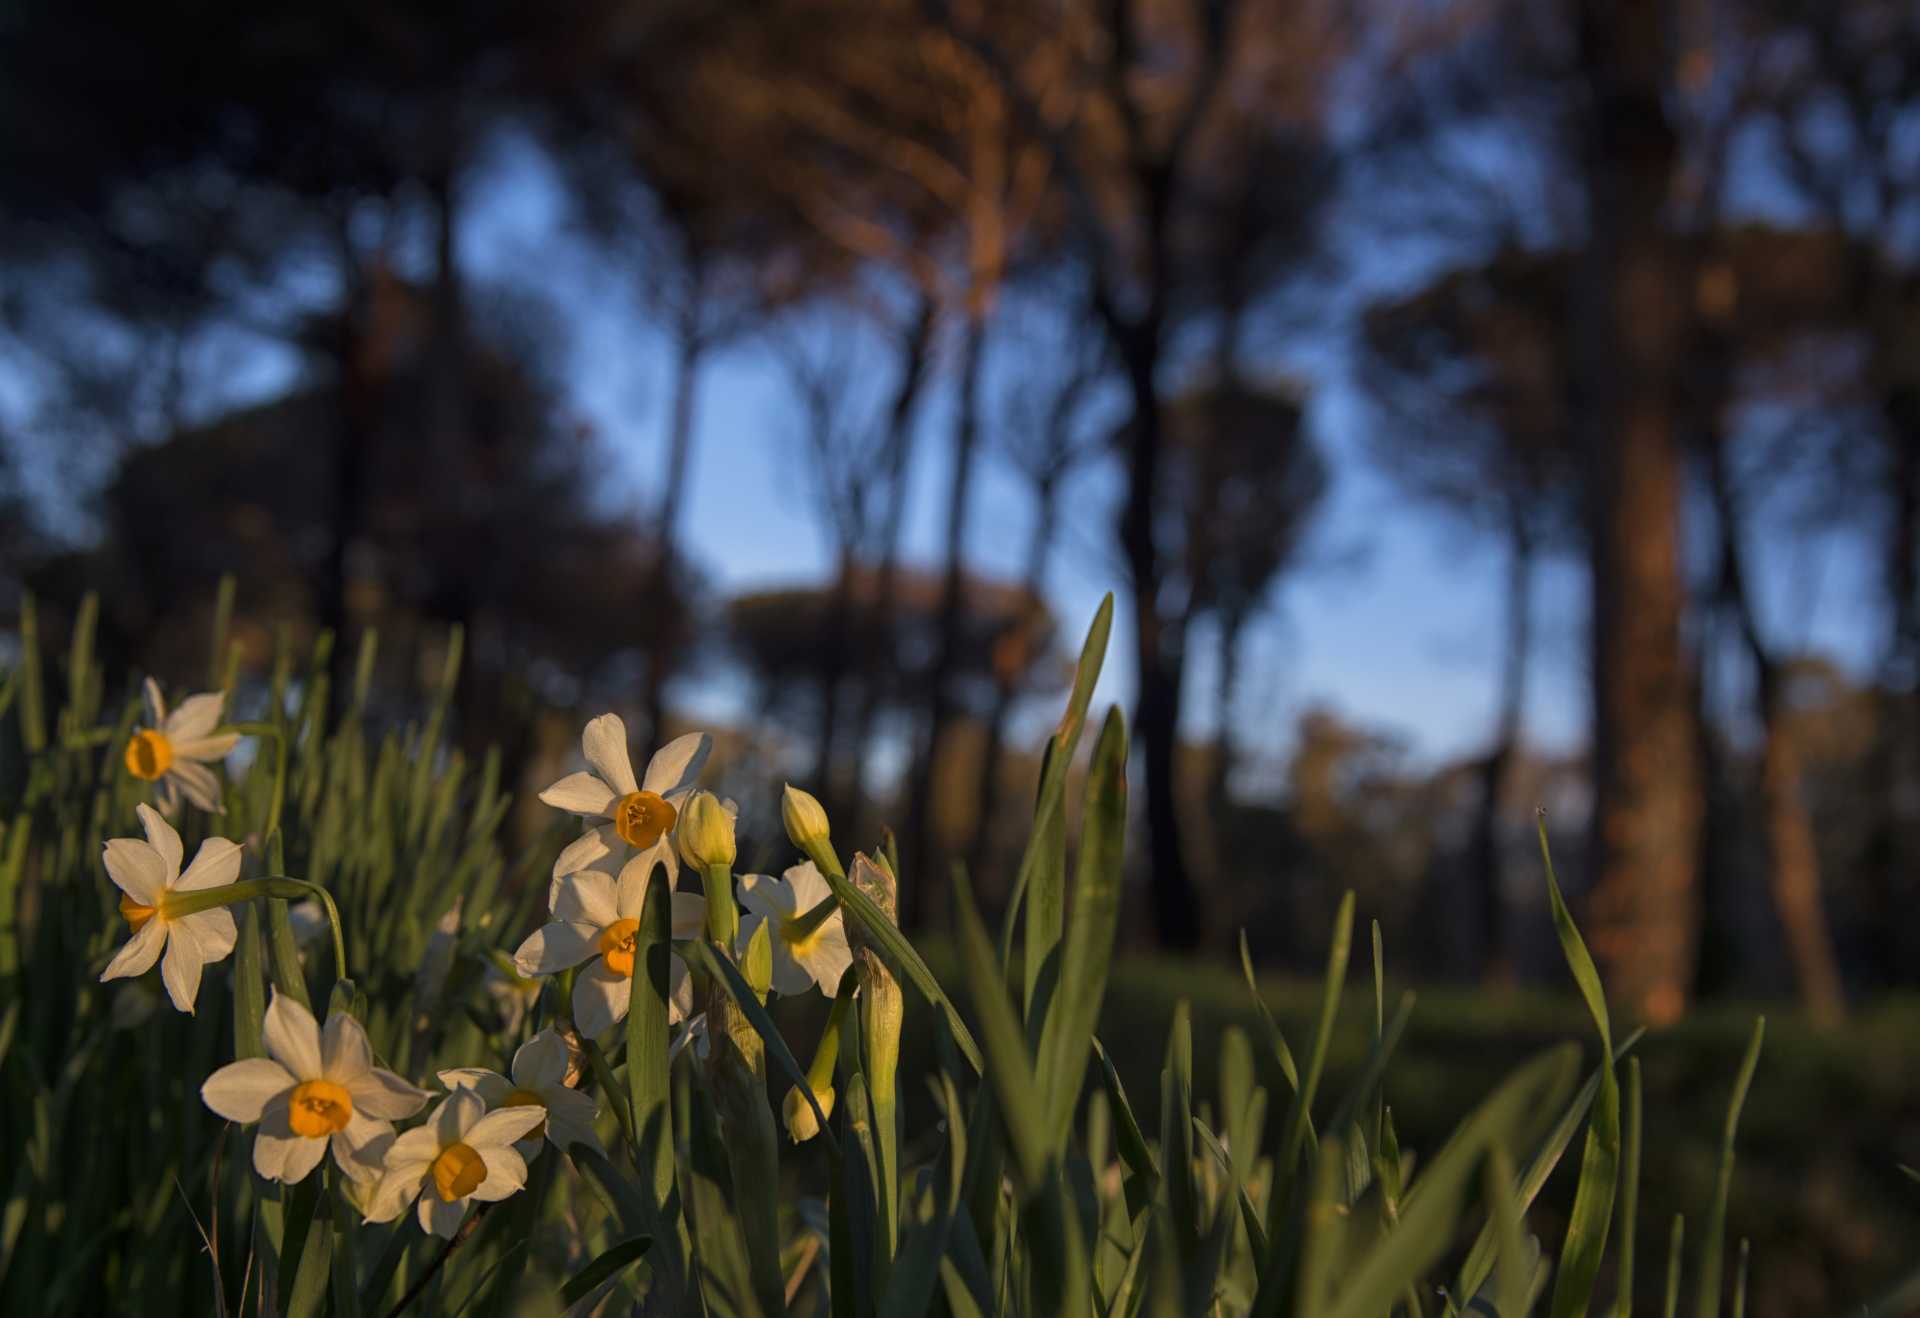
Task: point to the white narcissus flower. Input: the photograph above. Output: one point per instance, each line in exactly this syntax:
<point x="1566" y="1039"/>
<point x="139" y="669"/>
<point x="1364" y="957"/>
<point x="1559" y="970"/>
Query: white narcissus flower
<point x="800" y="959"/>
<point x="538" y="1079"/>
<point x="460" y="1154"/>
<point x="313" y="1090"/>
<point x="147" y="873"/>
<point x="636" y="813"/>
<point x="176" y="749"/>
<point x="595" y="920"/>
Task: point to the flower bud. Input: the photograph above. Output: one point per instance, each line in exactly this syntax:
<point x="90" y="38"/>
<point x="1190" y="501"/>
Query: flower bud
<point x="806" y="822"/>
<point x="802" y="1125"/>
<point x="705" y="833"/>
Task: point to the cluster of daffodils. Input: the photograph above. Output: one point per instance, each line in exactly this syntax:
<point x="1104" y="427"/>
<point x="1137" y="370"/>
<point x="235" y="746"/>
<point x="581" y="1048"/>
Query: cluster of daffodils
<point x="319" y="1090"/>
<point x="635" y="827"/>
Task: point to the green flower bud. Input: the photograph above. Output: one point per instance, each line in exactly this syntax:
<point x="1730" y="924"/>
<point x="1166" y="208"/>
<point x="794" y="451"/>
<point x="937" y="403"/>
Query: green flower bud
<point x="805" y="820"/>
<point x="705" y="833"/>
<point x="802" y="1125"/>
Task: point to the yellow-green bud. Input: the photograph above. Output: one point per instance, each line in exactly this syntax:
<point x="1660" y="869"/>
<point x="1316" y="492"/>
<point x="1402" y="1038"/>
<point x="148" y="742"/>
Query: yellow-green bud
<point x="806" y="822"/>
<point x="802" y="1125"/>
<point x="705" y="833"/>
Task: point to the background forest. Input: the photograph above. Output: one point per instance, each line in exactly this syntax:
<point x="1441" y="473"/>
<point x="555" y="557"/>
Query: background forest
<point x="1476" y="406"/>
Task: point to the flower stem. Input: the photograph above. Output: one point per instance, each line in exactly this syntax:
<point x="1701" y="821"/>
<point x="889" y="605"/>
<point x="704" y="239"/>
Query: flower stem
<point x="189" y="903"/>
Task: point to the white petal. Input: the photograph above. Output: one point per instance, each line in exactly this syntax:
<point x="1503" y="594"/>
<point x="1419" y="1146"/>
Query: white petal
<point x="161" y="837"/>
<point x="570" y="1117"/>
<point x="689" y="915"/>
<point x="208" y="750"/>
<point x="604" y="743"/>
<point x="137" y="955"/>
<point x="440" y="1218"/>
<point x="790" y="978"/>
<point x="196" y="717"/>
<point x="506" y="1174"/>
<point x="599" y="998"/>
<point x="540" y="1061"/>
<point x="381" y="1093"/>
<point x="169" y="793"/>
<point x="137" y="868"/>
<point x="274" y="1141"/>
<point x="414" y="1150"/>
<point x="393" y="1193"/>
<point x="675" y="765"/>
<point x="198" y="784"/>
<point x="302" y="1158"/>
<point x="630" y="893"/>
<point x="828" y="957"/>
<point x="808" y="885"/>
<point x="586" y="898"/>
<point x="679" y="991"/>
<point x="360" y="1148"/>
<point x="156" y="703"/>
<point x="764" y="895"/>
<point x="500" y="1128"/>
<point x="215" y="865"/>
<point x="581" y="793"/>
<point x="591" y="846"/>
<point x="457" y="1114"/>
<point x="293" y="1037"/>
<point x="214" y="930"/>
<point x="180" y="968"/>
<point x="240" y="1091"/>
<point x="555" y="947"/>
<point x="345" y="1054"/>
<point x="490" y="1085"/>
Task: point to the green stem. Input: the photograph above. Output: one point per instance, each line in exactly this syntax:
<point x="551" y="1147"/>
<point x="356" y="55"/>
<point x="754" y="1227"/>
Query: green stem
<point x="723" y="916"/>
<point x="189" y="903"/>
<point x="803" y="926"/>
<point x="279" y="736"/>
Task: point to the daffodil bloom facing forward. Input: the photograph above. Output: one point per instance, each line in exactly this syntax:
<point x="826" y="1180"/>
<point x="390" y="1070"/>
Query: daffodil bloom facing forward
<point x="460" y="1154"/>
<point x="538" y="1079"/>
<point x="313" y="1091"/>
<point x="176" y="749"/>
<point x="147" y="873"/>
<point x="596" y="920"/>
<point x="801" y="957"/>
<point x="636" y="813"/>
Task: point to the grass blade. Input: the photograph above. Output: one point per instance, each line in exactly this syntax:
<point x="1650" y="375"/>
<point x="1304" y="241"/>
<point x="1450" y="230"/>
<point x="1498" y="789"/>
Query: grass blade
<point x="610" y="1264"/>
<point x="1712" y="1244"/>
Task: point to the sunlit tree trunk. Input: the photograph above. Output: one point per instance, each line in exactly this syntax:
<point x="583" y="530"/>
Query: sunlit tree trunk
<point x="1632" y="328"/>
<point x="689" y="352"/>
<point x="1485" y="865"/>
<point x="922" y="816"/>
<point x="1792" y="856"/>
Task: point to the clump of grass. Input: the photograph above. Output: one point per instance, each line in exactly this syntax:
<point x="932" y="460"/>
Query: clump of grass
<point x="1012" y="1173"/>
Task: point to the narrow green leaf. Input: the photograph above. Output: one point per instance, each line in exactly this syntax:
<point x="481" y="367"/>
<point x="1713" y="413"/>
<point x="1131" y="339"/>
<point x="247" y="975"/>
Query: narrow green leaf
<point x="1067" y="1036"/>
<point x="1299" y="1112"/>
<point x="611" y="1263"/>
<point x="648" y="1082"/>
<point x="1592" y="1215"/>
<point x="1676" y="1239"/>
<point x="1432" y="1209"/>
<point x="1629" y="1194"/>
<point x="1010" y="1070"/>
<point x="1712" y="1244"/>
<point x="892" y="947"/>
<point x="723" y="969"/>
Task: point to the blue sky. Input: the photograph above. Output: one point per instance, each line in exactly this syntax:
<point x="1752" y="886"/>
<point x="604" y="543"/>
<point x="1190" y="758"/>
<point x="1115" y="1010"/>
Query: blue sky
<point x="1395" y="622"/>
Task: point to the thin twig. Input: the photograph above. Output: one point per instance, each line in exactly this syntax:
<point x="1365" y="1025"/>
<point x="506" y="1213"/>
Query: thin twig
<point x="467" y="1228"/>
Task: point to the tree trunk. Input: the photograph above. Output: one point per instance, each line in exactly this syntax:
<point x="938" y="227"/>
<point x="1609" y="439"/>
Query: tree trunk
<point x="1793" y="858"/>
<point x="659" y="642"/>
<point x="1484" y="860"/>
<point x="929" y="882"/>
<point x="915" y="352"/>
<point x="1632" y="327"/>
<point x="1160" y="650"/>
<point x="1005" y="689"/>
